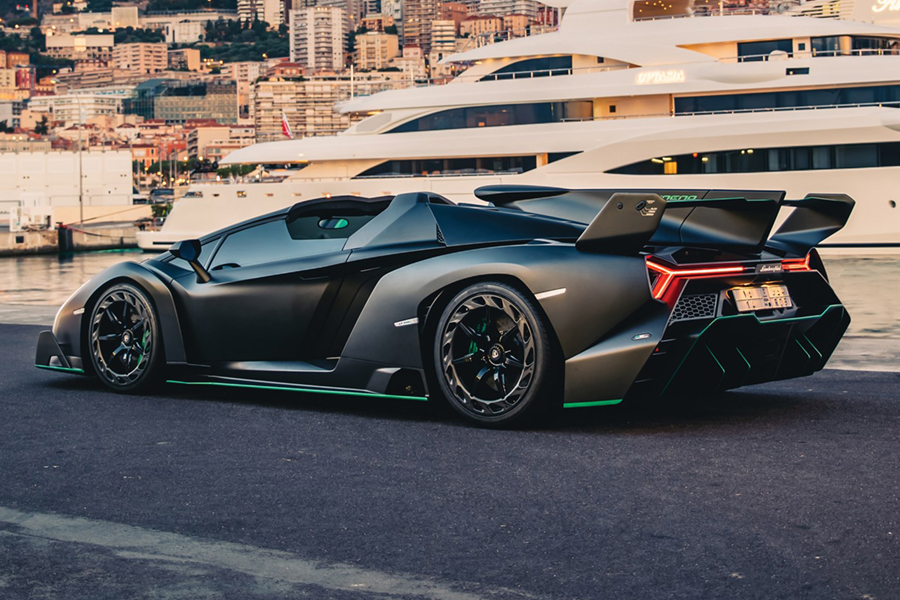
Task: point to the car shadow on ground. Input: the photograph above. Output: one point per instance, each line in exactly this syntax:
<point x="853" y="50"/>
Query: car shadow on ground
<point x="752" y="407"/>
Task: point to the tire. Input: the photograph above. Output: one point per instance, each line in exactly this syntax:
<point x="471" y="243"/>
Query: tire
<point x="124" y="341"/>
<point x="492" y="356"/>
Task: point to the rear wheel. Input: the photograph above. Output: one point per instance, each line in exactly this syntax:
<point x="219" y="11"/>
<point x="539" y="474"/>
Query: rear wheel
<point x="124" y="341"/>
<point x="492" y="356"/>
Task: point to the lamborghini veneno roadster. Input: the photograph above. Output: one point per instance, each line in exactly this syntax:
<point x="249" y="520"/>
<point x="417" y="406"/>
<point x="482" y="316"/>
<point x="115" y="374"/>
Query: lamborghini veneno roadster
<point x="544" y="298"/>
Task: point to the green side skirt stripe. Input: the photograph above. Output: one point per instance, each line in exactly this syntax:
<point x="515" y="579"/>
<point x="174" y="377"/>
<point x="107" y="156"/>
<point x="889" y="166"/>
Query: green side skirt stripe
<point x="283" y="388"/>
<point x="593" y="403"/>
<point x="63" y="369"/>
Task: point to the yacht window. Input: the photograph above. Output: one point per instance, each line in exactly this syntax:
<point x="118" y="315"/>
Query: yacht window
<point x="878" y="94"/>
<point x="445" y="167"/>
<point x="826" y="46"/>
<point x="499" y="115"/>
<point x="875" y="45"/>
<point x="761" y="160"/>
<point x="552" y="157"/>
<point x="760" y="51"/>
<point x="533" y="67"/>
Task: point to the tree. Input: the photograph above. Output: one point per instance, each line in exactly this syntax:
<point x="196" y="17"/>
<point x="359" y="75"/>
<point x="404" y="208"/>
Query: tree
<point x="4" y="128"/>
<point x="392" y="29"/>
<point x="43" y="127"/>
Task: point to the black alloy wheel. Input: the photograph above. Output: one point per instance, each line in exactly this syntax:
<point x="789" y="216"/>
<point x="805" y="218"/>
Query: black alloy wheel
<point x="123" y="335"/>
<point x="492" y="355"/>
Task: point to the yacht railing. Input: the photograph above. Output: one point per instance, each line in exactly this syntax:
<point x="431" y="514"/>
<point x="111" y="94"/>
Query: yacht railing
<point x="738" y="111"/>
<point x="892" y="104"/>
<point x="743" y="11"/>
<point x="782" y="56"/>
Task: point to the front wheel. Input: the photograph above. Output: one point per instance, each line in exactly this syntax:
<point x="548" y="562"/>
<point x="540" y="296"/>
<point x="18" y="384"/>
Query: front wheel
<point x="124" y="340"/>
<point x="493" y="356"/>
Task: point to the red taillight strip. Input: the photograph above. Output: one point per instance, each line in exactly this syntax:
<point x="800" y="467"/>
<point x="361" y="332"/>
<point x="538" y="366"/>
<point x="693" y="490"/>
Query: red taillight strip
<point x="796" y="264"/>
<point x="668" y="275"/>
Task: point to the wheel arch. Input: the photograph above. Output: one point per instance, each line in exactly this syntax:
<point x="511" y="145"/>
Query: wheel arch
<point x="430" y="310"/>
<point x="73" y="332"/>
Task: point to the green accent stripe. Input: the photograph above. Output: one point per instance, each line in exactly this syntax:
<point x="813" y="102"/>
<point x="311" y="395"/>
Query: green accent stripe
<point x="299" y="389"/>
<point x="63" y="369"/>
<point x="594" y="403"/>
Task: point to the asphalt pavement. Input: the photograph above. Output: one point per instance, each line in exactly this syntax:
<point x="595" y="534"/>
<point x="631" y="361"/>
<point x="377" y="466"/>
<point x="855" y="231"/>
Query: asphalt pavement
<point x="786" y="490"/>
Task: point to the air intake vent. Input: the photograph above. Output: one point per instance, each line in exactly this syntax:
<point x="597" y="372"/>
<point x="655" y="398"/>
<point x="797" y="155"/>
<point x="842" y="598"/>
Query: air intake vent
<point x="698" y="306"/>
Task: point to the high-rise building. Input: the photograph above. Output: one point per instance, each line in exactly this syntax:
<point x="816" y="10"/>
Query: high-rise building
<point x="270" y="11"/>
<point x="309" y="104"/>
<point x="140" y="58"/>
<point x="371" y="7"/>
<point x="415" y="25"/>
<point x="443" y="36"/>
<point x="375" y="50"/>
<point x="499" y="8"/>
<point x="317" y="37"/>
<point x="244" y="73"/>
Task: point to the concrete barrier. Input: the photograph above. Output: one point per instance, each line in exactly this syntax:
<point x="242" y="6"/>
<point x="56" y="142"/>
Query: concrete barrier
<point x="47" y="242"/>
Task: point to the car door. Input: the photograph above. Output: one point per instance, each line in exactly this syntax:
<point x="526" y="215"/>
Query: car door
<point x="267" y="292"/>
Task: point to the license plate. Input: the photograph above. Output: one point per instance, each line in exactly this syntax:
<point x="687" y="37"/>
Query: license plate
<point x="763" y="297"/>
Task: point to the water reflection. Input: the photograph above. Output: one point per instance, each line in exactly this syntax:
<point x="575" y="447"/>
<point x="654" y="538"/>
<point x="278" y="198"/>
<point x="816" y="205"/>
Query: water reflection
<point x="869" y="287"/>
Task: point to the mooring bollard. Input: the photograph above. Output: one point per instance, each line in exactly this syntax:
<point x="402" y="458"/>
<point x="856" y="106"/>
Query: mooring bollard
<point x="64" y="238"/>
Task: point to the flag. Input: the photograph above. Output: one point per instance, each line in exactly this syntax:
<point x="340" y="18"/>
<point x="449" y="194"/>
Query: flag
<point x="285" y="126"/>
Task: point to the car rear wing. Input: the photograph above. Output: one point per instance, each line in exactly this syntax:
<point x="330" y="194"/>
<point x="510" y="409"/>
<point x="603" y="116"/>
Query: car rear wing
<point x="815" y="218"/>
<point x="626" y="221"/>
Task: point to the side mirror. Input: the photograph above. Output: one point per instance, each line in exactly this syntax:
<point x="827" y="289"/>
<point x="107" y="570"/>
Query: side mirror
<point x="189" y="250"/>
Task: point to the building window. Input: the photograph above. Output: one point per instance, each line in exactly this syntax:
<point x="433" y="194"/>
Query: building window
<point x="500" y="115"/>
<point x="763" y="160"/>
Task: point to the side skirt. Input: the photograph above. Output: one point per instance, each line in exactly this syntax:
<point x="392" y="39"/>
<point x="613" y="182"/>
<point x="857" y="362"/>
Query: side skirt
<point x="274" y="386"/>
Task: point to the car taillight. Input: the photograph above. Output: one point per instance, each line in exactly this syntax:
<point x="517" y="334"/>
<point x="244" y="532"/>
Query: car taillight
<point x="796" y="264"/>
<point x="666" y="276"/>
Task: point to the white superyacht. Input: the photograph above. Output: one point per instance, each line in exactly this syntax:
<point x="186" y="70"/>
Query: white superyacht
<point x="623" y="95"/>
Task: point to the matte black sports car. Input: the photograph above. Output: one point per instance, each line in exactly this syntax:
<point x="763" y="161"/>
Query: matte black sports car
<point x="544" y="298"/>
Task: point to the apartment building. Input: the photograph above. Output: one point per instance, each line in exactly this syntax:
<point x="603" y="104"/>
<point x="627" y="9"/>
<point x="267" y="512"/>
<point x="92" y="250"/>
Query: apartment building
<point x="415" y="24"/>
<point x="374" y="50"/>
<point x="142" y="57"/>
<point x="215" y="141"/>
<point x="270" y="11"/>
<point x="499" y="8"/>
<point x="309" y="105"/>
<point x="7" y="84"/>
<point x="480" y="25"/>
<point x="81" y="47"/>
<point x="443" y="36"/>
<point x="77" y="108"/>
<point x="184" y="59"/>
<point x="317" y="37"/>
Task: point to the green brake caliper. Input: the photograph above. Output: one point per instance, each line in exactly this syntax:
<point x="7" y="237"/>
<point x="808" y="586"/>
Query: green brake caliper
<point x="479" y="328"/>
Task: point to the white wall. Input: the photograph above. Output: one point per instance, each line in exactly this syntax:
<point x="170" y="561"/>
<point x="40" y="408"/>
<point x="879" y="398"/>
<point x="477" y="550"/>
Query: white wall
<point x="42" y="178"/>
